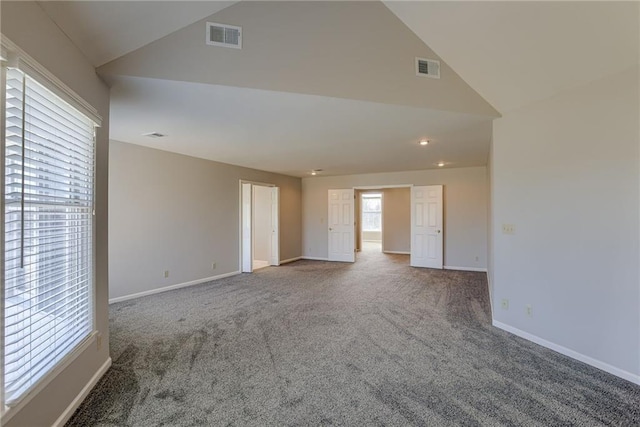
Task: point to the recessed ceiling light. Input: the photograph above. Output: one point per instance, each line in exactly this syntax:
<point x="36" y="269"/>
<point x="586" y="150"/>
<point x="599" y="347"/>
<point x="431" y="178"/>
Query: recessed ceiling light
<point x="315" y="172"/>
<point x="424" y="141"/>
<point x="154" y="135"/>
<point x="441" y="164"/>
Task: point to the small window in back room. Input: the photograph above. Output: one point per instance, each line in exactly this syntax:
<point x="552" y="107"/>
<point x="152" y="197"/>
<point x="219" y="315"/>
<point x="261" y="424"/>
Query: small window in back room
<point x="372" y="212"/>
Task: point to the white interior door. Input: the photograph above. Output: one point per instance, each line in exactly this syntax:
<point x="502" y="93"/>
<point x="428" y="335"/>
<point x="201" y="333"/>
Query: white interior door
<point x="341" y="223"/>
<point x="275" y="224"/>
<point x="426" y="226"/>
<point x="247" y="240"/>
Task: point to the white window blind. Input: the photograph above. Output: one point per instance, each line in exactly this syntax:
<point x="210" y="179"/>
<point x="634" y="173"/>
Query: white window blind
<point x="48" y="240"/>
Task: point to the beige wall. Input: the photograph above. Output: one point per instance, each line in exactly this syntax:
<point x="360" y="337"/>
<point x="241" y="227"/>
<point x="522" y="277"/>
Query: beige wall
<point x="178" y="213"/>
<point x="565" y="172"/>
<point x="396" y="219"/>
<point x="465" y="210"/>
<point x="25" y="24"/>
<point x="284" y="38"/>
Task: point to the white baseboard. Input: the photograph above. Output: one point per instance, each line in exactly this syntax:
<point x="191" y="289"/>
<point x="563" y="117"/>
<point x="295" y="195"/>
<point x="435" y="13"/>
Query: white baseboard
<point x="451" y="267"/>
<point x="172" y="287"/>
<point x="397" y="252"/>
<point x="570" y="353"/>
<point x="64" y="417"/>
<point x="287" y="261"/>
<point x="315" y="258"/>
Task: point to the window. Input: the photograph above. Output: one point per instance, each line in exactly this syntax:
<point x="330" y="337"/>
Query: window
<point x="48" y="231"/>
<point x="371" y="212"/>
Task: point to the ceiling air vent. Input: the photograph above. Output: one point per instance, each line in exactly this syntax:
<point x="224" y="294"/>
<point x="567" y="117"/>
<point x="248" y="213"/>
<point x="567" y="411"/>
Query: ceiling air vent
<point x="154" y="135"/>
<point x="224" y="35"/>
<point x="428" y="68"/>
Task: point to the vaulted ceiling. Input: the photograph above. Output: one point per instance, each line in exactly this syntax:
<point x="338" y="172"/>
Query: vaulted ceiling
<point x="518" y="52"/>
<point x="106" y="30"/>
<point x="332" y="85"/>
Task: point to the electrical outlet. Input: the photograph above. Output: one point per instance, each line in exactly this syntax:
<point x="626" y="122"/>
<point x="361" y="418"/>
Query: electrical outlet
<point x="213" y="265"/>
<point x="505" y="304"/>
<point x="508" y="229"/>
<point x="166" y="274"/>
<point x="528" y="310"/>
<point x="477" y="258"/>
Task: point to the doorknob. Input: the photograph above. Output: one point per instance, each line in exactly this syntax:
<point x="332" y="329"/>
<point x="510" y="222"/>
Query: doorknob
<point x="330" y="229"/>
<point x="438" y="231"/>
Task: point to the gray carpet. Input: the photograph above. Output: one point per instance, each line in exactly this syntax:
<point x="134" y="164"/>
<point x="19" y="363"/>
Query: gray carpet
<point x="317" y="343"/>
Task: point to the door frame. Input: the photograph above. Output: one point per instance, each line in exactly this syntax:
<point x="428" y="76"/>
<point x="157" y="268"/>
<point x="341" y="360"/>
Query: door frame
<point x="359" y="231"/>
<point x="380" y="188"/>
<point x="275" y="210"/>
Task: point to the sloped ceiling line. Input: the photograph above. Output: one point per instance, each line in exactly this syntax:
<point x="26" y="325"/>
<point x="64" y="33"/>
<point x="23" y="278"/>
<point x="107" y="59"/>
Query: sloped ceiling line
<point x="328" y="85"/>
<point x="351" y="50"/>
<point x="515" y="53"/>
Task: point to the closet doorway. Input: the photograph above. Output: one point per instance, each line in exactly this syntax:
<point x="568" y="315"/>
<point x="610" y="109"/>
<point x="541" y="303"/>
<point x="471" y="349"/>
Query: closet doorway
<point x="259" y="233"/>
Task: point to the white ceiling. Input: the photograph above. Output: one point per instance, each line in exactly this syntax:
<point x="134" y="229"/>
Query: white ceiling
<point x="511" y="53"/>
<point x="106" y="30"/>
<point x="292" y="133"/>
<point x="514" y="53"/>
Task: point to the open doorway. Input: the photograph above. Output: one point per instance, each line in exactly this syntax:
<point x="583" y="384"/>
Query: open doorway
<point x="383" y="219"/>
<point x="259" y="234"/>
<point x="370" y="220"/>
<point x="345" y="222"/>
<point x="411" y="220"/>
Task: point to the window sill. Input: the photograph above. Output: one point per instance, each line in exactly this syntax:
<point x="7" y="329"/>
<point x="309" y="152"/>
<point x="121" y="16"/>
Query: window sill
<point x="9" y="411"/>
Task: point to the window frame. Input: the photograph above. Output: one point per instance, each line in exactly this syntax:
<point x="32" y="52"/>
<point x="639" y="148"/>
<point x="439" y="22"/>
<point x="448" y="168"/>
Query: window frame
<point x="12" y="55"/>
<point x="3" y="106"/>
<point x="363" y="196"/>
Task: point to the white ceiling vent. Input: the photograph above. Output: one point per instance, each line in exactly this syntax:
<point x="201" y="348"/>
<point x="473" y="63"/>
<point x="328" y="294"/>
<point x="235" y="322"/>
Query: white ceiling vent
<point x="154" y="135"/>
<point x="224" y="35"/>
<point x="428" y="68"/>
